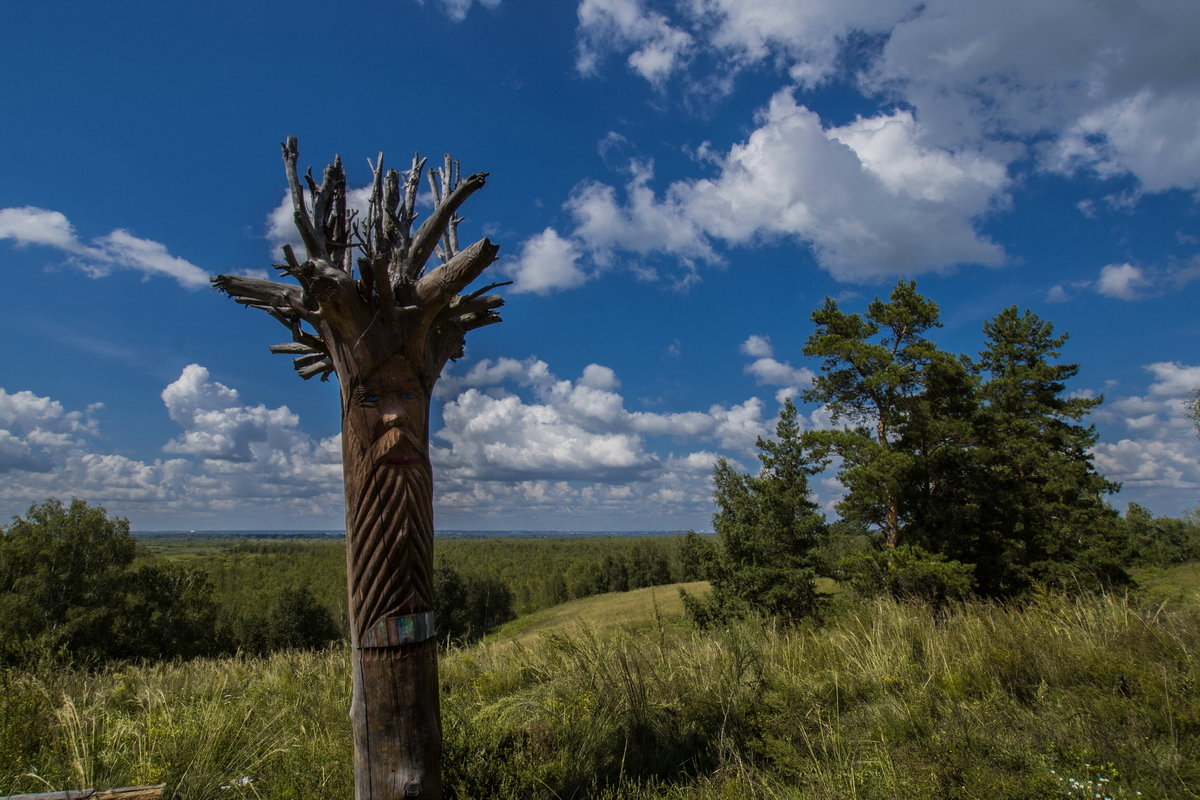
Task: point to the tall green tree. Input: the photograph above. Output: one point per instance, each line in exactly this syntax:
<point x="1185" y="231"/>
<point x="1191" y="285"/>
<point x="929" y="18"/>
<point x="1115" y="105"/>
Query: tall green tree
<point x="768" y="528"/>
<point x="874" y="368"/>
<point x="1043" y="499"/>
<point x="70" y="587"/>
<point x="696" y="554"/>
<point x="985" y="463"/>
<point x="942" y="480"/>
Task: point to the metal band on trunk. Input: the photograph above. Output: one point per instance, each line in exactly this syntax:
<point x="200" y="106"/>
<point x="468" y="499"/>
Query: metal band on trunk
<point x="391" y="631"/>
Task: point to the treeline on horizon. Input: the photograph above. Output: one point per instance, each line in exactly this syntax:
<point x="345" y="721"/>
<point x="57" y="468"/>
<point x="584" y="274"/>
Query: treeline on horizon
<point x="75" y="585"/>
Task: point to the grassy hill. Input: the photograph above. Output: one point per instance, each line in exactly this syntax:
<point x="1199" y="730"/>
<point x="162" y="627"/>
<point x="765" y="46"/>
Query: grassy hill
<point x="616" y="697"/>
<point x="1180" y="583"/>
<point x="637" y="610"/>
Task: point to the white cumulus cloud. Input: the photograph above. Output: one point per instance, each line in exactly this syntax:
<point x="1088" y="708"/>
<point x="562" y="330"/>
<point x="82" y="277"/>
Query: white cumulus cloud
<point x="1121" y="281"/>
<point x="868" y="197"/>
<point x="1162" y="451"/>
<point x="547" y="262"/>
<point x="657" y="49"/>
<point x="967" y="92"/>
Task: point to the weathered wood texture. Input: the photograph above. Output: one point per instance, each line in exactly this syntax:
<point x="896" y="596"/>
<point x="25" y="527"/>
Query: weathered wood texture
<point x="367" y="309"/>
<point x="397" y="731"/>
<point x="124" y="793"/>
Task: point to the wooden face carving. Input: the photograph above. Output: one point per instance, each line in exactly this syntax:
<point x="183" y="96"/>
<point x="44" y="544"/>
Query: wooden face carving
<point x="388" y="413"/>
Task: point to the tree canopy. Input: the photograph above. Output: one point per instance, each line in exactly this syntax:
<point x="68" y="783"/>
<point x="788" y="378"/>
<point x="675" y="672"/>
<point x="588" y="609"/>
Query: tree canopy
<point x="979" y="468"/>
<point x="72" y="586"/>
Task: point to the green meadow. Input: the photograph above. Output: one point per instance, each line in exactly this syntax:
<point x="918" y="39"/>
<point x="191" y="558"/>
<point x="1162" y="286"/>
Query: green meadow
<point x="618" y="696"/>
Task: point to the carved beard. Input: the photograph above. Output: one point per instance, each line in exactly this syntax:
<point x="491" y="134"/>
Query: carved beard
<point x="390" y="546"/>
<point x="389" y="497"/>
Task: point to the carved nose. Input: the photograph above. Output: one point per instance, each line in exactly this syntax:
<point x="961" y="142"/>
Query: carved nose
<point x="392" y="412"/>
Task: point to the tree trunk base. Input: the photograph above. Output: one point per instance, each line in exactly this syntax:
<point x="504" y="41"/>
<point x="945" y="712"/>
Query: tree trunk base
<point x="396" y="696"/>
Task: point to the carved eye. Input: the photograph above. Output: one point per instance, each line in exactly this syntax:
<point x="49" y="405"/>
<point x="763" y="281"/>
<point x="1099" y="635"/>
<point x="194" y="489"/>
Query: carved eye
<point x="408" y="396"/>
<point x="363" y="397"/>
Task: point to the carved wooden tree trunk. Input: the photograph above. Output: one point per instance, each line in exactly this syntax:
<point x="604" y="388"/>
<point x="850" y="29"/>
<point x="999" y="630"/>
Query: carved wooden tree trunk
<point x="389" y="570"/>
<point x="366" y="310"/>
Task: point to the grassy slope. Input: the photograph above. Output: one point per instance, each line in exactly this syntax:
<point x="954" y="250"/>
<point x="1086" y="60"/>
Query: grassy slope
<point x="603" y="614"/>
<point x="598" y="699"/>
<point x="1179" y="583"/>
<point x="638" y="611"/>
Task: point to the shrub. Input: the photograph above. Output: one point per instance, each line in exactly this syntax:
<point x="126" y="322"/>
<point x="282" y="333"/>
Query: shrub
<point x="907" y="572"/>
<point x="69" y="587"/>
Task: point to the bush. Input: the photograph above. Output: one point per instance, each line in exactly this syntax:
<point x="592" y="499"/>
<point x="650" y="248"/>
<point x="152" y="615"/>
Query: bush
<point x="467" y="608"/>
<point x="907" y="572"/>
<point x="70" y="588"/>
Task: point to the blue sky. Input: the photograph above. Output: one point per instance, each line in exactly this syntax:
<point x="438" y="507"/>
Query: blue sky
<point x="674" y="185"/>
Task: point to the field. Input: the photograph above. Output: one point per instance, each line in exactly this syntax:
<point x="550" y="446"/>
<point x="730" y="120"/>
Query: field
<point x="615" y="696"/>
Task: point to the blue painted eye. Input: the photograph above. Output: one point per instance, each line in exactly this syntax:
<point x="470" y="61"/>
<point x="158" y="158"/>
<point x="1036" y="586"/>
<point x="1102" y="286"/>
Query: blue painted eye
<point x="408" y="396"/>
<point x="371" y="398"/>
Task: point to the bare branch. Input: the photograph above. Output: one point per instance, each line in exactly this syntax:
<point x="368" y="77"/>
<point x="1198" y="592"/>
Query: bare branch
<point x="343" y="220"/>
<point x="473" y="321"/>
<point x="307" y="371"/>
<point x="408" y="213"/>
<point x="309" y="360"/>
<point x="294" y="326"/>
<point x="467" y="304"/>
<point x="293" y="264"/>
<point x="329" y="208"/>
<point x="391" y="202"/>
<point x="437" y="288"/>
<point x="431" y="231"/>
<point x="269" y="293"/>
<point x="304" y="224"/>
<point x="291" y="348"/>
<point x="488" y="288"/>
<point x="462" y="307"/>
<point x="450" y="177"/>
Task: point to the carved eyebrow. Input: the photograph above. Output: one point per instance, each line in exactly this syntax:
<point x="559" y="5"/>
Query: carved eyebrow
<point x="360" y="394"/>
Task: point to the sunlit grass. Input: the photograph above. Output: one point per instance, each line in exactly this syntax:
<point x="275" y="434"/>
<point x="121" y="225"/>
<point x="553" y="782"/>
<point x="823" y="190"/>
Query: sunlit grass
<point x="617" y="697"/>
<point x="602" y="614"/>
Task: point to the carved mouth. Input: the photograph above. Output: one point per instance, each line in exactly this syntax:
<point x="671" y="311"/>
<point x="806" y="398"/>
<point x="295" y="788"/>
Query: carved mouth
<point x="394" y="449"/>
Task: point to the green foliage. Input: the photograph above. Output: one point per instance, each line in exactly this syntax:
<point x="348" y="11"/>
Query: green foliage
<point x="873" y="368"/>
<point x="1044" y="517"/>
<point x="467" y="608"/>
<point x="544" y="572"/>
<point x="907" y="572"/>
<point x="1162" y="541"/>
<point x="984" y="462"/>
<point x="696" y="557"/>
<point x="491" y="578"/>
<point x="70" y="587"/>
<point x="1194" y="409"/>
<point x="767" y="527"/>
<point x="294" y="620"/>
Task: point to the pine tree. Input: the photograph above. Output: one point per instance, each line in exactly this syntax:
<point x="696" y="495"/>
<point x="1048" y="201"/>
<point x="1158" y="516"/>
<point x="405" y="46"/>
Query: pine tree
<point x="1044" y="499"/>
<point x="874" y="369"/>
<point x="940" y="487"/>
<point x="768" y="527"/>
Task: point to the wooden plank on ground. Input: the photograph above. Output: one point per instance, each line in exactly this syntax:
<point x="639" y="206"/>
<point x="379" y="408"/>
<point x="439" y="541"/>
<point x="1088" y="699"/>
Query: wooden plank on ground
<point x="123" y="793"/>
